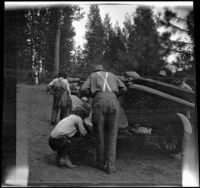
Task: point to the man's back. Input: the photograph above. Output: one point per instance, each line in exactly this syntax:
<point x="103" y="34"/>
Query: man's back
<point x="68" y="126"/>
<point x="57" y="82"/>
<point x="105" y="113"/>
<point x="102" y="81"/>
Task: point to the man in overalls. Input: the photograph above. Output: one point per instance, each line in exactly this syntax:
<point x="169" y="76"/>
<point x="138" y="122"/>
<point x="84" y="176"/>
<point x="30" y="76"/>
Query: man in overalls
<point x="61" y="97"/>
<point x="103" y="87"/>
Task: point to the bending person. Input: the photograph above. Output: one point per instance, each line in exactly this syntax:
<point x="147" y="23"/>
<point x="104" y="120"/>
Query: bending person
<point x="103" y="87"/>
<point x="66" y="134"/>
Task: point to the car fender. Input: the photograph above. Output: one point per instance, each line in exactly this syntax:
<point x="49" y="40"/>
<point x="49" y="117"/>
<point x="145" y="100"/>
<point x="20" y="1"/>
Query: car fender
<point x="186" y="123"/>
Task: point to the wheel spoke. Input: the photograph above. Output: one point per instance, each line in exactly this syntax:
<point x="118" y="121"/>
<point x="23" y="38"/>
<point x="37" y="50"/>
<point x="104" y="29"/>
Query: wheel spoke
<point x="171" y="137"/>
<point x="174" y="146"/>
<point x="170" y="146"/>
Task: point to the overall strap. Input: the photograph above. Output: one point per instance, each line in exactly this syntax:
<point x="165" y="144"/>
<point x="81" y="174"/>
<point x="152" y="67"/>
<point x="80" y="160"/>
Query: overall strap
<point x="61" y="83"/>
<point x="59" y="90"/>
<point x="105" y="82"/>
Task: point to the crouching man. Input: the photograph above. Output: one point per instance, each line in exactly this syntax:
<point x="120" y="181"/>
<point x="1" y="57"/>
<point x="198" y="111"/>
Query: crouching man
<point x="65" y="133"/>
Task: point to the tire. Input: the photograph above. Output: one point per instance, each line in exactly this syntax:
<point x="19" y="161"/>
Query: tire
<point x="171" y="137"/>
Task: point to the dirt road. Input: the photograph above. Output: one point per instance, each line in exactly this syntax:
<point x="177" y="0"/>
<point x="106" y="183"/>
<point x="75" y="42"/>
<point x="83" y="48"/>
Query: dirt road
<point x="136" y="162"/>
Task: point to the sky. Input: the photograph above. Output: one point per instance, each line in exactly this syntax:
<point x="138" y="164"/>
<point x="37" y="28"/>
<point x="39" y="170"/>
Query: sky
<point x="117" y="13"/>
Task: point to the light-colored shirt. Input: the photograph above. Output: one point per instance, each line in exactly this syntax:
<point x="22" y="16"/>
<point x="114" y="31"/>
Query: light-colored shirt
<point x="60" y="82"/>
<point x="95" y="83"/>
<point x="76" y="102"/>
<point x="69" y="126"/>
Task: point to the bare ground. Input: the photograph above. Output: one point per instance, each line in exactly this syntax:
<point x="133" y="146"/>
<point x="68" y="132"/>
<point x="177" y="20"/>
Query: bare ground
<point x="137" y="162"/>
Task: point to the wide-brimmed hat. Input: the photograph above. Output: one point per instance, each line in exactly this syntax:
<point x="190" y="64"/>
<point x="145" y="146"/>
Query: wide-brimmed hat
<point x="98" y="68"/>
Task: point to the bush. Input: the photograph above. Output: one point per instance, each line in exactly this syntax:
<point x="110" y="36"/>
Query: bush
<point x="45" y="77"/>
<point x="30" y="77"/>
<point x="21" y="75"/>
<point x="25" y="76"/>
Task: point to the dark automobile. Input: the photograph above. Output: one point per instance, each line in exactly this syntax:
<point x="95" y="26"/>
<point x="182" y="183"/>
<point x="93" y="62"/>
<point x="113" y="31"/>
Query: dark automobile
<point x="157" y="108"/>
<point x="160" y="108"/>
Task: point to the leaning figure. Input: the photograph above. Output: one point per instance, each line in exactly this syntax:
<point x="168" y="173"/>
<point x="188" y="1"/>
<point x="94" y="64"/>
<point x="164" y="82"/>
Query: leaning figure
<point x="104" y="87"/>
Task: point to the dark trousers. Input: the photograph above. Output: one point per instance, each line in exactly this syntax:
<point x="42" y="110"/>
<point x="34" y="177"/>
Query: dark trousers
<point x="62" y="145"/>
<point x="63" y="103"/>
<point x="67" y="146"/>
<point x="105" y="116"/>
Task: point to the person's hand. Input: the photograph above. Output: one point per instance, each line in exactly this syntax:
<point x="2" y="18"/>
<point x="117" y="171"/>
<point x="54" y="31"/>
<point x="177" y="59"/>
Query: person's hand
<point x="84" y="133"/>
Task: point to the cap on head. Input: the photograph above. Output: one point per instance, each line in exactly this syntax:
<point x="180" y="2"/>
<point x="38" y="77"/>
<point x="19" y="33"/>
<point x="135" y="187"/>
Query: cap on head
<point x="98" y="68"/>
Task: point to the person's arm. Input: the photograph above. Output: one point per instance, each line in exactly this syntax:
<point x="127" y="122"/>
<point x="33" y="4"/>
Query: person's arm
<point x="50" y="86"/>
<point x="66" y="86"/>
<point x="81" y="127"/>
<point x="85" y="88"/>
<point x="122" y="87"/>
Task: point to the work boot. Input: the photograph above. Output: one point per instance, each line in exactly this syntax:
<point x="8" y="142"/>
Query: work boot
<point x="61" y="162"/>
<point x="65" y="162"/>
<point x="68" y="162"/>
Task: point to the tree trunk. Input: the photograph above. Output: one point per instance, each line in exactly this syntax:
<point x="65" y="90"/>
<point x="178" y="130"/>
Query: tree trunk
<point x="31" y="50"/>
<point x="38" y="67"/>
<point x="38" y="73"/>
<point x="57" y="50"/>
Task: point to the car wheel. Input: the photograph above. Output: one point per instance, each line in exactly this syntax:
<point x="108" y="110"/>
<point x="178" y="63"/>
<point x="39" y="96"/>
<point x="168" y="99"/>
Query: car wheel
<point x="171" y="137"/>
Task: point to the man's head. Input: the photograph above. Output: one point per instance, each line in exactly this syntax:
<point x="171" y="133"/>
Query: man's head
<point x="82" y="111"/>
<point x="98" y="67"/>
<point x="62" y="74"/>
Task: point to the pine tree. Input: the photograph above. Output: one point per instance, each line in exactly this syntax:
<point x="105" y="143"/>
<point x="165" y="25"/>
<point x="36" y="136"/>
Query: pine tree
<point x="128" y="26"/>
<point x="23" y="61"/>
<point x="67" y="40"/>
<point x="45" y="40"/>
<point x="182" y="25"/>
<point x="114" y="45"/>
<point x="14" y="40"/>
<point x="143" y="43"/>
<point x="109" y="33"/>
<point x="118" y="48"/>
<point x="94" y="35"/>
<point x="109" y="55"/>
<point x="61" y="33"/>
